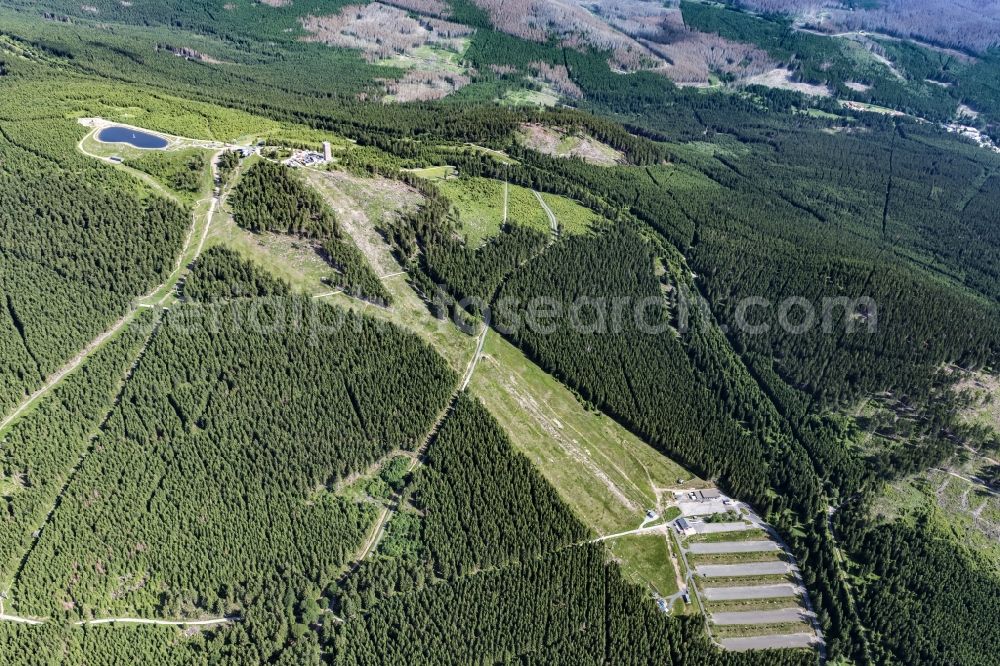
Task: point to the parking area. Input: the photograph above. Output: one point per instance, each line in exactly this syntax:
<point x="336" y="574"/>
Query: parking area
<point x="772" y="641"/>
<point x="742" y="569"/>
<point x="720" y="547"/>
<point x="704" y="502"/>
<point x="703" y="507"/>
<point x="716" y="528"/>
<point x="777" y="616"/>
<point x="739" y="607"/>
<point x="743" y="592"/>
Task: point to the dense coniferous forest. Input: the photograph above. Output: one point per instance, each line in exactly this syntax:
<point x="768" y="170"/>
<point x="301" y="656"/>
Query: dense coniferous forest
<point x="651" y="386"/>
<point x="41" y="451"/>
<point x="505" y="576"/>
<point x="200" y="455"/>
<point x="476" y="274"/>
<point x="471" y="465"/>
<point x="211" y="487"/>
<point x="221" y="273"/>
<point x="355" y="274"/>
<point x="183" y="171"/>
<point x="270" y="197"/>
<point x="79" y="236"/>
<point x="913" y="613"/>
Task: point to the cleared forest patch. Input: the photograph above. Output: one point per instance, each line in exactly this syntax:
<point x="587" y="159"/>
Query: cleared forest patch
<point x="693" y="57"/>
<point x="782" y="78"/>
<point x="980" y="392"/>
<point x="380" y="31"/>
<point x="428" y="48"/>
<point x="963" y="508"/>
<point x="577" y="25"/>
<point x="645" y="558"/>
<point x="607" y="476"/>
<point x="559" y="142"/>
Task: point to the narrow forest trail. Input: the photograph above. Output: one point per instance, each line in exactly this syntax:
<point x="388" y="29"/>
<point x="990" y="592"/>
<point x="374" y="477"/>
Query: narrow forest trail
<point x="204" y="622"/>
<point x="55" y="378"/>
<point x="652" y="529"/>
<point x="972" y="480"/>
<point x="212" y="621"/>
<point x="6" y="617"/>
<point x="213" y="205"/>
<point x="553" y="221"/>
<point x="475" y="360"/>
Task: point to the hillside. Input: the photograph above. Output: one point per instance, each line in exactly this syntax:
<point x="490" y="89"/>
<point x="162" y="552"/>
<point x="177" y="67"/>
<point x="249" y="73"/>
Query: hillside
<point x="431" y="332"/>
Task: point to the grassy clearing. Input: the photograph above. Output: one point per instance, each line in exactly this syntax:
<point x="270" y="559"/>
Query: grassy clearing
<point x="604" y="473"/>
<point x="430" y="58"/>
<point x="478" y="204"/>
<point x="645" y="560"/>
<point x="573" y="218"/>
<point x="435" y="172"/>
<point x="981" y="394"/>
<point x="558" y="142"/>
<point x="818" y="113"/>
<point x="295" y="260"/>
<point x="498" y="155"/>
<point x="523" y="208"/>
<point x="377" y="199"/>
<point x="145" y="184"/>
<point x="524" y="97"/>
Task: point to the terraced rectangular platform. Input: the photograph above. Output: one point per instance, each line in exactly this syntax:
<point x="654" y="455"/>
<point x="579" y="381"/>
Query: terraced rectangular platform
<point x="749" y="592"/>
<point x="778" y="616"/>
<point x="745" y="569"/>
<point x="771" y="641"/>
<point x="719" y="547"/>
<point x="715" y="528"/>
